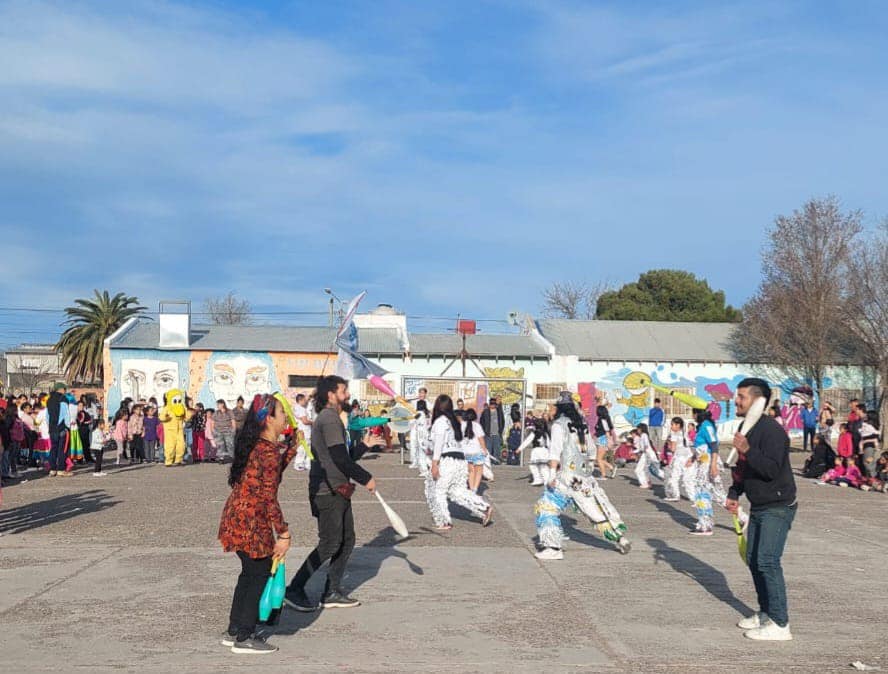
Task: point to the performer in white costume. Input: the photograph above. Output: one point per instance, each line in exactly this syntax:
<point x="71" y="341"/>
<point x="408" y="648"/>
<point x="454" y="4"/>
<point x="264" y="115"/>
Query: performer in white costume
<point x="681" y="473"/>
<point x="538" y="462"/>
<point x="647" y="460"/>
<point x="571" y="486"/>
<point x="449" y="474"/>
<point x="419" y="439"/>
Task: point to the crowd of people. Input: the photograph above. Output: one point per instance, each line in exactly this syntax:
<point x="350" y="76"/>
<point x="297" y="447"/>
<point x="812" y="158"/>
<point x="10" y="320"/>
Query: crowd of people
<point x="454" y="449"/>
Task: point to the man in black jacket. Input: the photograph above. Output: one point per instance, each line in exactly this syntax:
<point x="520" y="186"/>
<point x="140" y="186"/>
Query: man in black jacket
<point x="330" y="488"/>
<point x="493" y="421"/>
<point x="57" y="429"/>
<point x="764" y="474"/>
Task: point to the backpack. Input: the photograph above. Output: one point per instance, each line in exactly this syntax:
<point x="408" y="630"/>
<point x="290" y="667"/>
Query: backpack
<point x="17" y="431"/>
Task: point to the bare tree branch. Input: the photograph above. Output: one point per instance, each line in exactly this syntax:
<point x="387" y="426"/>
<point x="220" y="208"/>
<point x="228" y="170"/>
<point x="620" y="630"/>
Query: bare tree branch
<point x="791" y="320"/>
<point x="573" y="299"/>
<point x="228" y="310"/>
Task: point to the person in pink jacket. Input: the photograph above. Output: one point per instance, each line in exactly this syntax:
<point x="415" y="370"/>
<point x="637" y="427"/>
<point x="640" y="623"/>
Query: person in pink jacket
<point x="852" y="477"/>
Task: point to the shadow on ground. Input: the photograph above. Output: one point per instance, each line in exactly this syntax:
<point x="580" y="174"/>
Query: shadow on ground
<point x="35" y="515"/>
<point x="706" y="576"/>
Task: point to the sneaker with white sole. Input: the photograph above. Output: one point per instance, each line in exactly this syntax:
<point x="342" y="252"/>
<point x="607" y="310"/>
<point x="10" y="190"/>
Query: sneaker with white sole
<point x="550" y="553"/>
<point x="103" y="474"/>
<point x="754" y="621"/>
<point x="701" y="532"/>
<point x="253" y="645"/>
<point x="227" y="639"/>
<point x="770" y="632"/>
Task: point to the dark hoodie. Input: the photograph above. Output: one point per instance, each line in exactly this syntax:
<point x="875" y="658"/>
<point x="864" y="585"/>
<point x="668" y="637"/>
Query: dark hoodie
<point x="764" y="473"/>
<point x="56" y="399"/>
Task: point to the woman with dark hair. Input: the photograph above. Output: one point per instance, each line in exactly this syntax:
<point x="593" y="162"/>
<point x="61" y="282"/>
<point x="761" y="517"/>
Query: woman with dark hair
<point x="252" y="523"/>
<point x="604" y="430"/>
<point x="449" y="473"/>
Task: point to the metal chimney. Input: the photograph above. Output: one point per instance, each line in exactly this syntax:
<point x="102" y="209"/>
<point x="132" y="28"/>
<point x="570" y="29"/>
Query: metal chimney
<point x="175" y="324"/>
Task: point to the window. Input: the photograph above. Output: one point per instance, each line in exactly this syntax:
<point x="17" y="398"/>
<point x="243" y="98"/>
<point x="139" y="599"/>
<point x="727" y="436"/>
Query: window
<point x="547" y="393"/>
<point x="301" y="381"/>
<point x="671" y="406"/>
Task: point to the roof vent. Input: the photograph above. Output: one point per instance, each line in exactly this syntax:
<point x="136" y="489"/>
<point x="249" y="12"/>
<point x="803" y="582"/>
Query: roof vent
<point x="175" y="324"/>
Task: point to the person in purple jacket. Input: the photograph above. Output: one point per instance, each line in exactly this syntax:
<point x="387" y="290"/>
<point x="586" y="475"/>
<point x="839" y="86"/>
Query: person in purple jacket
<point x="150" y="438"/>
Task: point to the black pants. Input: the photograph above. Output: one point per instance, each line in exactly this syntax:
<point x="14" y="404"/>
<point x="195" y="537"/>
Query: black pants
<point x="137" y="449"/>
<point x="245" y="603"/>
<point x="97" y="455"/>
<point x="336" y="540"/>
<point x="84" y="441"/>
<point x="808" y="435"/>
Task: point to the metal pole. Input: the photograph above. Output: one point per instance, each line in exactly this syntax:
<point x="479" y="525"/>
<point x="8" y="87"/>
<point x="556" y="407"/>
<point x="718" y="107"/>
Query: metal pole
<point x="332" y="325"/>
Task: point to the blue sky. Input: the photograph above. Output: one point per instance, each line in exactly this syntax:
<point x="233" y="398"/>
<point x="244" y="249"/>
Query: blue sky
<point x="447" y="157"/>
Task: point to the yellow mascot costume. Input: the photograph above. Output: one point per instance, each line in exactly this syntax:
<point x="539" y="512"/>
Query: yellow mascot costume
<point x="173" y="416"/>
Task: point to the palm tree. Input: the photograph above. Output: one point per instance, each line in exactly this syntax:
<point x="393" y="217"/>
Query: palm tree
<point x="89" y="323"/>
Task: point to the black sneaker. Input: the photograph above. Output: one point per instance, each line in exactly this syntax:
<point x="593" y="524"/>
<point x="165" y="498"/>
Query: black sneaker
<point x="339" y="600"/>
<point x="253" y="645"/>
<point x="297" y="599"/>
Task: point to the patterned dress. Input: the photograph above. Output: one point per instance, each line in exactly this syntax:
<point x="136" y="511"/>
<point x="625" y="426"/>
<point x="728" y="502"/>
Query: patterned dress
<point x="252" y="514"/>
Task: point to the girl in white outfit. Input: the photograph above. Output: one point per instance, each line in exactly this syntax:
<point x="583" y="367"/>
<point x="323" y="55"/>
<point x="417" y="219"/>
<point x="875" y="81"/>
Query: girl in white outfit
<point x="647" y="459"/>
<point x="681" y="474"/>
<point x="474" y="448"/>
<point x="449" y="475"/>
<point x="539" y="458"/>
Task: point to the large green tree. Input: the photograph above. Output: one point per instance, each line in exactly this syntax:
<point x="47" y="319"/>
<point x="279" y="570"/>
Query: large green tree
<point x="666" y="295"/>
<point x="89" y="323"/>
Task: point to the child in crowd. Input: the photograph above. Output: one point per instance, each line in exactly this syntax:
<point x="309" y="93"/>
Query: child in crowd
<point x="209" y="436"/>
<point x="624" y="452"/>
<point x="121" y="434"/>
<point x="692" y="432"/>
<point x="100" y="438"/>
<point x="834" y="473"/>
<point x="852" y="477"/>
<point x="42" y="444"/>
<point x="150" y="439"/>
<point x="513" y="442"/>
<point x="646" y="457"/>
<point x="681" y="467"/>
<point x="135" y="431"/>
<point x="845" y="445"/>
<point x="881" y="480"/>
<point x="869" y="440"/>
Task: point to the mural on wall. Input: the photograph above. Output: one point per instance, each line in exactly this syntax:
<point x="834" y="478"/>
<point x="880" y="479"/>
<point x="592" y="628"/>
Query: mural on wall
<point x="144" y="378"/>
<point x="474" y="392"/>
<point x="505" y="390"/>
<point x="631" y="393"/>
<point x="232" y="374"/>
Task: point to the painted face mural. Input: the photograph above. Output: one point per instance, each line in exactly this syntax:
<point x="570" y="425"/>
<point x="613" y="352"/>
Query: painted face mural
<point x="235" y="376"/>
<point x="142" y="378"/>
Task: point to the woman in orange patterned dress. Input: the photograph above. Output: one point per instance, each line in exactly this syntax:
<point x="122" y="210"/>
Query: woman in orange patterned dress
<point x="252" y="523"/>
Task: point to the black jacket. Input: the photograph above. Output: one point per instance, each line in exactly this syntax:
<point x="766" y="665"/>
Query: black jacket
<point x="52" y="411"/>
<point x="764" y="473"/>
<point x="485" y="421"/>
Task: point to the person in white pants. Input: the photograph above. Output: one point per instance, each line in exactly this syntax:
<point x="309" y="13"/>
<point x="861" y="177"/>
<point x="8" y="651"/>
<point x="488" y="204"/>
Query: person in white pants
<point x="538" y="463"/>
<point x="570" y="486"/>
<point x="419" y="439"/>
<point x="680" y="476"/>
<point x="449" y="474"/>
<point x="647" y="459"/>
<point x="304" y="420"/>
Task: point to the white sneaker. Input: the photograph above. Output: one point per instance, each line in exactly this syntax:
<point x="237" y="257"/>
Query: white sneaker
<point x="672" y="500"/>
<point x="769" y="632"/>
<point x="536" y="484"/>
<point x="753" y="621"/>
<point x="99" y="474"/>
<point x="550" y="553"/>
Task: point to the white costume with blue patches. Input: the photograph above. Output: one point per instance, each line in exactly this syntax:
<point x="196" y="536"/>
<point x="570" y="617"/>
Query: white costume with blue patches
<point x="571" y="487"/>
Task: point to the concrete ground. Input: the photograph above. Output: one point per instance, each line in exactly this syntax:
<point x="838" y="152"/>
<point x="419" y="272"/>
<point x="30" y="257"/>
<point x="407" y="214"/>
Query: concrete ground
<point x="123" y="573"/>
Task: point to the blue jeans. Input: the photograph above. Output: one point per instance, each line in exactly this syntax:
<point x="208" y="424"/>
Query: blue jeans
<point x="495" y="445"/>
<point x="768" y="529"/>
<point x="57" y="454"/>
